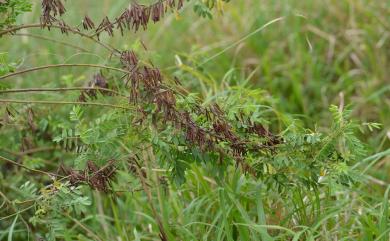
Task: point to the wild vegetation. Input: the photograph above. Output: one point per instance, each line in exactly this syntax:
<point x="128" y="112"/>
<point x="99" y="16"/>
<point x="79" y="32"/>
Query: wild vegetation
<point x="194" y="120"/>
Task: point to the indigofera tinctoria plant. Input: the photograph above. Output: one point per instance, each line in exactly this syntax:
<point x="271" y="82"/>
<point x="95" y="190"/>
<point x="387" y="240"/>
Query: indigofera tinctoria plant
<point x="207" y="129"/>
<point x="153" y="119"/>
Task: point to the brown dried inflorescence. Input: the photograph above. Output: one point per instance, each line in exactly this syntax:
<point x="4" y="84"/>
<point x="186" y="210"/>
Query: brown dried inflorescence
<point x="146" y="83"/>
<point x="137" y="15"/>
<point x="99" y="82"/>
<point x="97" y="178"/>
<point x="51" y="9"/>
<point x="259" y="130"/>
<point x="132" y="18"/>
<point x="150" y="80"/>
<point x="88" y="23"/>
<point x="107" y="26"/>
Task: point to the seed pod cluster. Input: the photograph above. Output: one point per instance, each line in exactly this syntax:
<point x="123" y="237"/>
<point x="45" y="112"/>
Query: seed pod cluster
<point x="97" y="178"/>
<point x="132" y="18"/>
<point x="146" y="84"/>
<point x="147" y="87"/>
<point x="98" y="81"/>
<point x="51" y="9"/>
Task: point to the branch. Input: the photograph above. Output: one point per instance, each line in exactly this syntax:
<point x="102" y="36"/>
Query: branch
<point x="59" y="90"/>
<point x="62" y="103"/>
<point x="74" y="31"/>
<point x="63" y="65"/>
<point x="52" y="40"/>
<point x="27" y="168"/>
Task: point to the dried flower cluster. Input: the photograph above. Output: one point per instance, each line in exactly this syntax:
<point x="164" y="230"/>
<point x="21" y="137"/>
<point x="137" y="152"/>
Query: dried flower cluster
<point x="149" y="80"/>
<point x="259" y="130"/>
<point x="51" y="9"/>
<point x="98" y="81"/>
<point x="146" y="85"/>
<point x="136" y="16"/>
<point x="88" y="23"/>
<point x="132" y="18"/>
<point x="97" y="178"/>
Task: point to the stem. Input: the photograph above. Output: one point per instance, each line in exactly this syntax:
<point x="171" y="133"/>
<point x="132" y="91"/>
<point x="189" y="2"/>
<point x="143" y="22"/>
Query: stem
<point x="38" y="25"/>
<point x="27" y="168"/>
<point x="28" y="152"/>
<point x="35" y="150"/>
<point x="116" y="20"/>
<point x="59" y="89"/>
<point x="62" y="103"/>
<point x="52" y="40"/>
<point x="12" y="205"/>
<point x="163" y="234"/>
<point x="62" y="65"/>
<point x="82" y="226"/>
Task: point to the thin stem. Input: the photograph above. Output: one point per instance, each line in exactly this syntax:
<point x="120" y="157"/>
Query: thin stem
<point x="35" y="150"/>
<point x="38" y="25"/>
<point x="185" y="92"/>
<point x="82" y="226"/>
<point x="242" y="39"/>
<point x="27" y="168"/>
<point x="16" y="211"/>
<point x="163" y="234"/>
<point x="59" y="90"/>
<point x="15" y="28"/>
<point x="28" y="152"/>
<point x="52" y="40"/>
<point x="11" y="204"/>
<point x="63" y="65"/>
<point x="117" y="20"/>
<point x="62" y="103"/>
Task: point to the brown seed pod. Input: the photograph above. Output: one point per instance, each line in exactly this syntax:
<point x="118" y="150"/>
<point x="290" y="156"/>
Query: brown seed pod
<point x="88" y="23"/>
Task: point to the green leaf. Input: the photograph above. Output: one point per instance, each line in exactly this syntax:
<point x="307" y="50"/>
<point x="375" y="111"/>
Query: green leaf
<point x="11" y="228"/>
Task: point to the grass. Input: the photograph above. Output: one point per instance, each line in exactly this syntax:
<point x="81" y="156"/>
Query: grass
<point x="303" y="55"/>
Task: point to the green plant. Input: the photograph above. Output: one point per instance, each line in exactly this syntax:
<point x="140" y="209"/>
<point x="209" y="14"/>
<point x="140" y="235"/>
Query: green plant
<point x="141" y="153"/>
<point x="11" y="9"/>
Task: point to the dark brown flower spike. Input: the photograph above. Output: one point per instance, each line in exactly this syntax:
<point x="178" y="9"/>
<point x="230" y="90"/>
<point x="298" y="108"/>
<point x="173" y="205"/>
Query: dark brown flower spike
<point x="150" y="81"/>
<point x="98" y="81"/>
<point x="97" y="178"/>
<point x="88" y="23"/>
<point x="180" y="4"/>
<point x="137" y="16"/>
<point x="158" y="10"/>
<point x="51" y="9"/>
<point x="64" y="28"/>
<point x="107" y="26"/>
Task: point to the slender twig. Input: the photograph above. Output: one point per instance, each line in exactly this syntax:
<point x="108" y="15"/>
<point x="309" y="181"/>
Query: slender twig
<point x="163" y="234"/>
<point x="60" y="90"/>
<point x="28" y="168"/>
<point x="15" y="28"/>
<point x="242" y="40"/>
<point x="74" y="88"/>
<point x="63" y="65"/>
<point x="16" y="211"/>
<point x="117" y="20"/>
<point x="62" y="103"/>
<point x="28" y="152"/>
<point x="9" y="151"/>
<point x="52" y="40"/>
<point x="35" y="150"/>
<point x="75" y="31"/>
<point x="10" y="203"/>
<point x="81" y="225"/>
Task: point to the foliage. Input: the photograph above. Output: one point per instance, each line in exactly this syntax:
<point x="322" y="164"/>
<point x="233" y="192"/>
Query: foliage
<point x="5" y="65"/>
<point x="10" y="9"/>
<point x="206" y="150"/>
